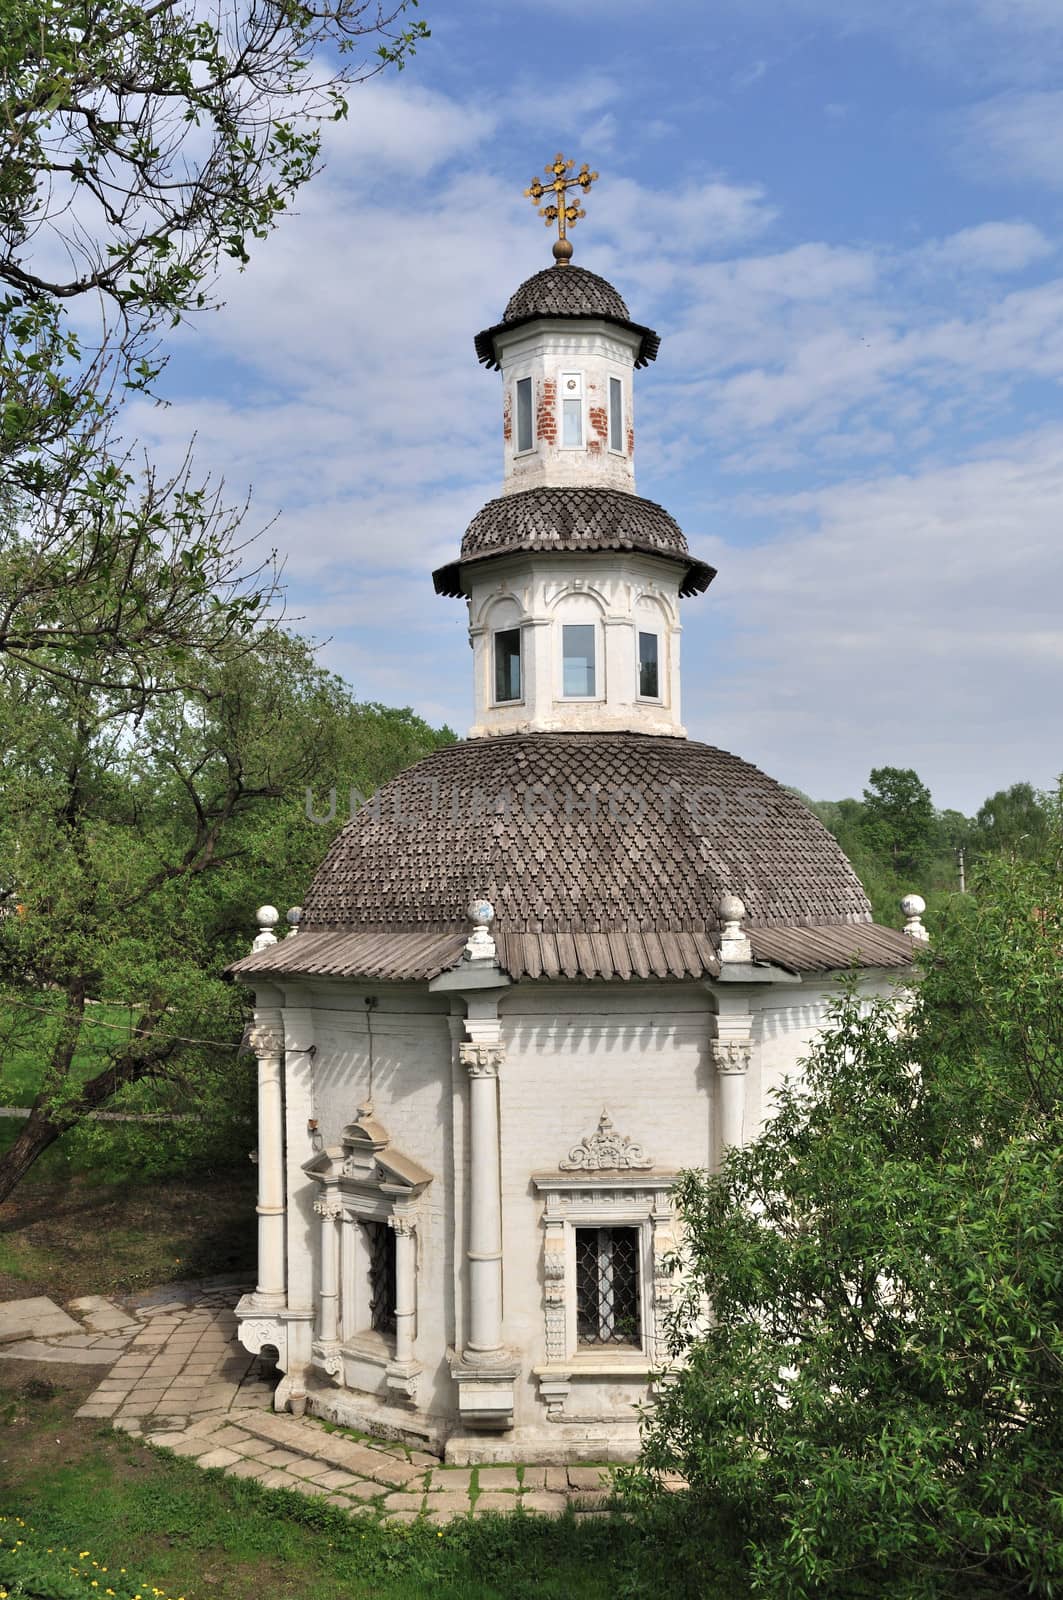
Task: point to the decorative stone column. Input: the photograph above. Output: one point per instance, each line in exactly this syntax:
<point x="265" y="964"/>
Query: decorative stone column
<point x="482" y="1062"/>
<point x="403" y="1371"/>
<point x="267" y="1041"/>
<point x="732" y="1047"/>
<point x="731" y="1059"/>
<point x="485" y="1371"/>
<point x="329" y="1209"/>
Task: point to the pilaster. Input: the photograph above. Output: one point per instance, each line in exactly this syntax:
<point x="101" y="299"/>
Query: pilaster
<point x="485" y="1370"/>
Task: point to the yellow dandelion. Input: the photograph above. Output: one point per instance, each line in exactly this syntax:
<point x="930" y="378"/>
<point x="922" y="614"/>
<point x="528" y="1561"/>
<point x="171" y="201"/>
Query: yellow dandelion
<point x="82" y="1554"/>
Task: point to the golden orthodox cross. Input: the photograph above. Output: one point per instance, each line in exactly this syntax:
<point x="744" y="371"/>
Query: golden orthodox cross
<point x="564" y="212"/>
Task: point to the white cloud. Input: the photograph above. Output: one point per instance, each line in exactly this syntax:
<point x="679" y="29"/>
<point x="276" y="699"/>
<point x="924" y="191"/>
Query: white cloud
<point x="399" y="127"/>
<point x="1016" y="136"/>
<point x="996" y="247"/>
<point x="909" y="619"/>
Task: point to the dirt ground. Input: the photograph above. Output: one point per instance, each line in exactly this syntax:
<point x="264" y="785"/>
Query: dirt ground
<point x="73" y="1235"/>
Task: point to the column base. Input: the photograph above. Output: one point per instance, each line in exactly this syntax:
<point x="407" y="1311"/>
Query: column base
<point x="401" y="1379"/>
<point x="485" y="1381"/>
<point x="325" y="1354"/>
<point x="259" y="1325"/>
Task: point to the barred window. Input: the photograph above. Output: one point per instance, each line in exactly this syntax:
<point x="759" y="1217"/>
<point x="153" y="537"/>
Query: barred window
<point x="608" y="1297"/>
<point x="382" y="1293"/>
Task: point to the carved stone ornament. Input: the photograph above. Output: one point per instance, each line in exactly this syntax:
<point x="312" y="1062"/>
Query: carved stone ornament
<point x="482" y="1060"/>
<point x="266" y="1040"/>
<point x="328" y="1358"/>
<point x="258" y="1331"/>
<point x="329" y="1207"/>
<point x="730" y="1058"/>
<point x="402" y="1225"/>
<point x="606" y="1151"/>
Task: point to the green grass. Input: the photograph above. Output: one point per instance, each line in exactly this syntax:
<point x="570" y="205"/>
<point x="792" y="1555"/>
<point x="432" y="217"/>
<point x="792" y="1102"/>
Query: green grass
<point x="195" y="1534"/>
<point x="23" y="1047"/>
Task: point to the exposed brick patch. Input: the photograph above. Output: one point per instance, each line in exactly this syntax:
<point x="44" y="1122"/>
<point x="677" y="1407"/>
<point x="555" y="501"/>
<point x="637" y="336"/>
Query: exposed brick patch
<point x="546" y="416"/>
<point x="594" y="446"/>
<point x="507" y="418"/>
<point x="630" y="440"/>
<point x="599" y="421"/>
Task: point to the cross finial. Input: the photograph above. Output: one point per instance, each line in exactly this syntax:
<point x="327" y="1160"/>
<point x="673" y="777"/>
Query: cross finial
<point x="566" y="213"/>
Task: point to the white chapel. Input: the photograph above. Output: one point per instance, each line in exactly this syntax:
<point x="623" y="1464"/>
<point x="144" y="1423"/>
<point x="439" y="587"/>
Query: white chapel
<point x="544" y="970"/>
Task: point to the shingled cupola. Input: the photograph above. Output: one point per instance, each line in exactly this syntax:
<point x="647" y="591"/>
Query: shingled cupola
<point x="573" y="581"/>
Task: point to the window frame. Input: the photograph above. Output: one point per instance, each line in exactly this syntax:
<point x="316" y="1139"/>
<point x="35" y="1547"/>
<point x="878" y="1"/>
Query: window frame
<point x="564" y="379"/>
<point x="597" y="663"/>
<point x="518" y="448"/>
<point x="496" y="634"/>
<point x="616" y="413"/>
<point x="611" y="1346"/>
<point x="649" y="633"/>
<point x="640" y="1200"/>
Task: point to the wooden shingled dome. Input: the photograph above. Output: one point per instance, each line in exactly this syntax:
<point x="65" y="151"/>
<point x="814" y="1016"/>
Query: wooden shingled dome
<point x="572" y="519"/>
<point x="566" y="292"/>
<point x="591" y="832"/>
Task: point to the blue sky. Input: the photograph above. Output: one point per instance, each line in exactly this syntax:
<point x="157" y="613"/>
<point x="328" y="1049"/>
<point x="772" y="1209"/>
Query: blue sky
<point x="843" y="216"/>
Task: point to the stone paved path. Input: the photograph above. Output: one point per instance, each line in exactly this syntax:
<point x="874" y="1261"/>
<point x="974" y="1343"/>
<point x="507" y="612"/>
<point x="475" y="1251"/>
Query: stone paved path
<point x="179" y="1379"/>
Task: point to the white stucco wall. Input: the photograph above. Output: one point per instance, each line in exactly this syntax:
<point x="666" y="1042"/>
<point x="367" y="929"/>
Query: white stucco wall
<point x="618" y="594"/>
<point x="555" y="353"/>
<point x="641" y="1052"/>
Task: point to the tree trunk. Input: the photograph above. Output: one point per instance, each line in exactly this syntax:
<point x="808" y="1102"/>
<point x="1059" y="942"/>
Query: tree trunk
<point x="36" y="1136"/>
<point x="41" y="1131"/>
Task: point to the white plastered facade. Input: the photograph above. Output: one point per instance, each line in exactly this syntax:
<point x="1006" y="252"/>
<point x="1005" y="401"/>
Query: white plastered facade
<point x="662" y="1061"/>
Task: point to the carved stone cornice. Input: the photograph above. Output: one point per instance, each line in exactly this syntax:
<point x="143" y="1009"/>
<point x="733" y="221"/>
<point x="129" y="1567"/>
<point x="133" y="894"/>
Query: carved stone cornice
<point x="605" y="1150"/>
<point x="731" y="1059"/>
<point x="482" y="1060"/>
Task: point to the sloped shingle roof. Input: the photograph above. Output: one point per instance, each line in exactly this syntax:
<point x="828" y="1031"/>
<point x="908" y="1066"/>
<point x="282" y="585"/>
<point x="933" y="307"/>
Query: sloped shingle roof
<point x="583" y="832"/>
<point x="566" y="291"/>
<point x="572" y="519"/>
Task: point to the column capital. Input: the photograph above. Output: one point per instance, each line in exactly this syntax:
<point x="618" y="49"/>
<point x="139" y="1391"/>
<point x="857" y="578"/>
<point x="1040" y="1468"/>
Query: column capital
<point x="405" y="1227"/>
<point x="482" y="1060"/>
<point x="731" y="1057"/>
<point x="266" y="1036"/>
<point x="328" y="1207"/>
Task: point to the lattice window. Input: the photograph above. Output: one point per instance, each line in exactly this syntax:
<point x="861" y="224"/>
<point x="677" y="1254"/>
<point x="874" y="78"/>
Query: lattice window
<point x="608" y="1298"/>
<point x="382" y="1291"/>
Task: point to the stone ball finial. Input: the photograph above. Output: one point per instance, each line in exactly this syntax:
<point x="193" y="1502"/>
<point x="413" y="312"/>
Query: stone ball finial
<point x="267" y="918"/>
<point x="480" y="912"/>
<point x="734" y="944"/>
<point x="480" y="946"/>
<point x="731" y="909"/>
<point x="293" y="916"/>
<point x="913" y="906"/>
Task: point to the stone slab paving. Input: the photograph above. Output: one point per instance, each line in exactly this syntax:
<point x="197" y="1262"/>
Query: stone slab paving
<point x="177" y="1378"/>
<point x="36" y="1318"/>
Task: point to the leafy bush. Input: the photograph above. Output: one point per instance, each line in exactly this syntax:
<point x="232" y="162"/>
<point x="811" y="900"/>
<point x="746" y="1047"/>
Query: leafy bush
<point x="877" y="1401"/>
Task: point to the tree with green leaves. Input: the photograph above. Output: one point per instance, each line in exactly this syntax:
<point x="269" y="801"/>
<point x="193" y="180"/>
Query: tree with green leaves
<point x="141" y="145"/>
<point x="899" y="820"/>
<point x="136" y="841"/>
<point x="876" y="1399"/>
<point x="1015" y="820"/>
